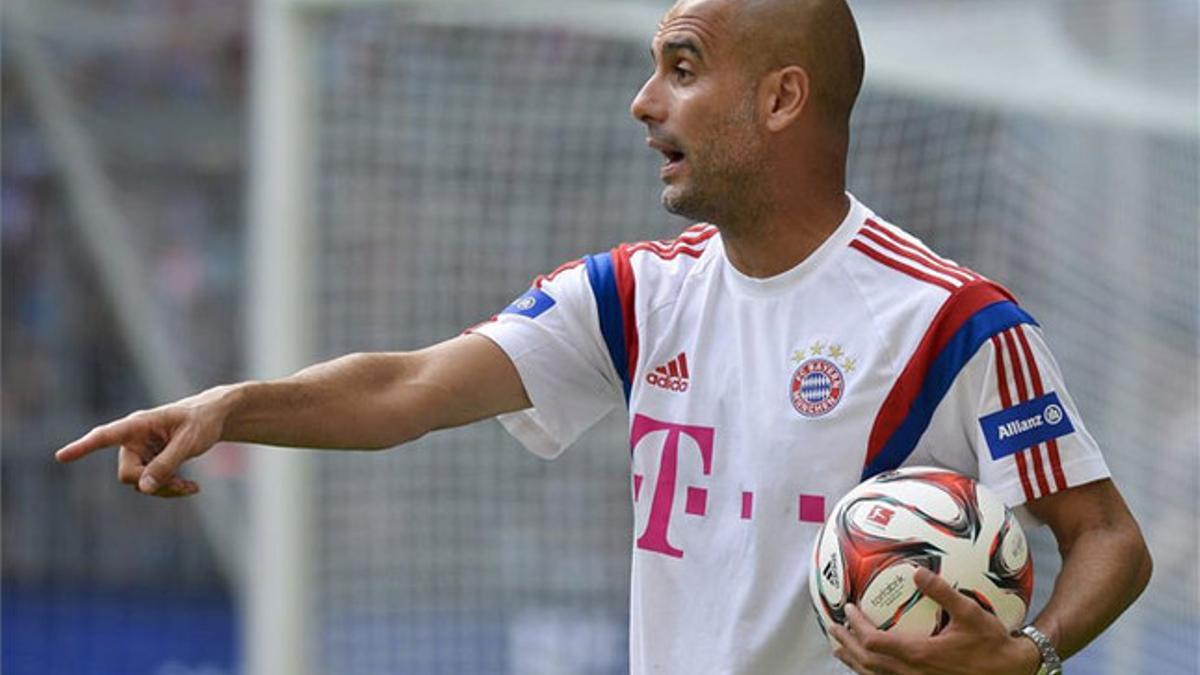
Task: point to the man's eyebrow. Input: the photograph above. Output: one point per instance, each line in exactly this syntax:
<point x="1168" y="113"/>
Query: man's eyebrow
<point x="683" y="45"/>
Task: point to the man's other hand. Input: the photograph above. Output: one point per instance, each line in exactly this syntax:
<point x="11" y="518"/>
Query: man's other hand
<point x="974" y="643"/>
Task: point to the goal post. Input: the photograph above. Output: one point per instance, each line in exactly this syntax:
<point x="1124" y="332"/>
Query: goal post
<point x="277" y="607"/>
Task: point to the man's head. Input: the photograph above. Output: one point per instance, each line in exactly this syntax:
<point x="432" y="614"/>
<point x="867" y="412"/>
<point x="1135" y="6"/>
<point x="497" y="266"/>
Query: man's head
<point x="739" y="88"/>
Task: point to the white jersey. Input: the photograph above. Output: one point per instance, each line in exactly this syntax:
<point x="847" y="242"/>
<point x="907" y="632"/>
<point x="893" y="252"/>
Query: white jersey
<point x="755" y="404"/>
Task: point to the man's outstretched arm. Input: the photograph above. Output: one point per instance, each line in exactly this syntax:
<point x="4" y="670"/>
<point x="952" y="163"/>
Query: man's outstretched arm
<point x="361" y="401"/>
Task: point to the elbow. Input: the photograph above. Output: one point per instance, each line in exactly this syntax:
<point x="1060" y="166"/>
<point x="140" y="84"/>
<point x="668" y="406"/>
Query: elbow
<point x="393" y="424"/>
<point x="1145" y="564"/>
<point x="389" y="438"/>
<point x="1138" y="553"/>
<point x="1128" y="540"/>
<point x="402" y="436"/>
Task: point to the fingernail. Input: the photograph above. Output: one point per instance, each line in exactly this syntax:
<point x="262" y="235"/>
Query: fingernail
<point x="148" y="484"/>
<point x="921" y="575"/>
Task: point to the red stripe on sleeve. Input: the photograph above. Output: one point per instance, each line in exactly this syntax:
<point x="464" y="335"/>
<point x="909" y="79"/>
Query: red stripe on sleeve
<point x="909" y="255"/>
<point x="1040" y="469"/>
<point x="957" y="310"/>
<point x="543" y="278"/>
<point x="1019" y="374"/>
<point x="901" y="267"/>
<point x="669" y="249"/>
<point x="1006" y="402"/>
<point x="1002" y="374"/>
<point x="1018" y="371"/>
<point x="1060" y="480"/>
<point x="626" y="290"/>
<point x="683" y="365"/>
<point x="923" y="255"/>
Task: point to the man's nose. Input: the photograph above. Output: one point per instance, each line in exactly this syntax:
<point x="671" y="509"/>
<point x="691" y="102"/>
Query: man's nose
<point x="647" y="106"/>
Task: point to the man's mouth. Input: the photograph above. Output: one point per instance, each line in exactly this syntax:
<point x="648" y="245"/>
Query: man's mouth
<point x="673" y="156"/>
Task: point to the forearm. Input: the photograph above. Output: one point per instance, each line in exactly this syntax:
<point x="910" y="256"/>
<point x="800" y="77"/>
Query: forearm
<point x="365" y="401"/>
<point x="361" y="401"/>
<point x="1104" y="570"/>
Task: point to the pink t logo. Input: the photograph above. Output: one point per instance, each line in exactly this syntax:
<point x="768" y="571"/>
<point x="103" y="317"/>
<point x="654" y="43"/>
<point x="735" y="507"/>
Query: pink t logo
<point x="654" y="538"/>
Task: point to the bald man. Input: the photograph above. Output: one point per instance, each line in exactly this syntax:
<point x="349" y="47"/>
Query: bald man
<point x="770" y="358"/>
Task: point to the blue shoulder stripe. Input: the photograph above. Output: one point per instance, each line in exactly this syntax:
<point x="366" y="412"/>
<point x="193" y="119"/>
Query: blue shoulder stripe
<point x="603" y="281"/>
<point x="961" y="348"/>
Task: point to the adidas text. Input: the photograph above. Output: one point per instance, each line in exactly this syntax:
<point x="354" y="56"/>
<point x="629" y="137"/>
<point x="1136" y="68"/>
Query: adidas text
<point x="667" y="382"/>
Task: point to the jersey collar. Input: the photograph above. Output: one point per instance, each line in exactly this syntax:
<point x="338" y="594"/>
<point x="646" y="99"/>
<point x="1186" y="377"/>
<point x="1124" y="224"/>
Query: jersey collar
<point x="795" y="276"/>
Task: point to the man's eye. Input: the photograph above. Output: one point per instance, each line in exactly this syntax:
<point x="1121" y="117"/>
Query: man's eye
<point x="682" y="73"/>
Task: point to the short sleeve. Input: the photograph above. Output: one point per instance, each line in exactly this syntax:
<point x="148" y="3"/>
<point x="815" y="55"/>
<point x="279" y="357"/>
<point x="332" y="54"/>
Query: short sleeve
<point x="552" y="335"/>
<point x="1009" y="420"/>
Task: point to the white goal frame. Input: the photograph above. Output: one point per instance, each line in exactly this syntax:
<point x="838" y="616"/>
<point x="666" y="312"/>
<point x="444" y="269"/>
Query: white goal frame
<point x="277" y="598"/>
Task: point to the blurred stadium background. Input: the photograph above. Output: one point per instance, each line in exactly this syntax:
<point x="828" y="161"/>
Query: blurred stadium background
<point x="169" y="166"/>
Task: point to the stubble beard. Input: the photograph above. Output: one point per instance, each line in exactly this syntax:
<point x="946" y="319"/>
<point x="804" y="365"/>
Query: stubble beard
<point x="723" y="183"/>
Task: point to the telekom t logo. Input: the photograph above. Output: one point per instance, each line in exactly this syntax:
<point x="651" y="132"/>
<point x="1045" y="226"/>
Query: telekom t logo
<point x="810" y="508"/>
<point x="654" y="538"/>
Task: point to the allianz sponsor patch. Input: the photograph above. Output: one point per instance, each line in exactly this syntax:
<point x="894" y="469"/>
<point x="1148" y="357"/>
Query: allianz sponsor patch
<point x="531" y="304"/>
<point x="1025" y="425"/>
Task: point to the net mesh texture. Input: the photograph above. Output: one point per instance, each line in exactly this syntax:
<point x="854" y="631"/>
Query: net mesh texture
<point x="456" y="162"/>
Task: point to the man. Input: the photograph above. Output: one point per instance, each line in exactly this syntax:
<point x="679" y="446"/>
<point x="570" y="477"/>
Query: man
<point x="769" y="362"/>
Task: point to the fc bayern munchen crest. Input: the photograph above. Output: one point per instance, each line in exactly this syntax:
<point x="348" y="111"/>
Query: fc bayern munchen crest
<point x="817" y="387"/>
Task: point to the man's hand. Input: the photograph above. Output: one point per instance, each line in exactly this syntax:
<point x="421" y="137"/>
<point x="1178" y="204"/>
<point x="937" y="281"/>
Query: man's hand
<point x="974" y="643"/>
<point x="154" y="443"/>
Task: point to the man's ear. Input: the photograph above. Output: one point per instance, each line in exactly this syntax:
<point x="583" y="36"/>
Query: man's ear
<point x="785" y="93"/>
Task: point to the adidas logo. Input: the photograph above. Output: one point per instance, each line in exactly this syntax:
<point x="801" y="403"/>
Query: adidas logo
<point x="672" y="376"/>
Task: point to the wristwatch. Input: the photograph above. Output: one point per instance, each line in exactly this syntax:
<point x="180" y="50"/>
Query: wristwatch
<point x="1051" y="664"/>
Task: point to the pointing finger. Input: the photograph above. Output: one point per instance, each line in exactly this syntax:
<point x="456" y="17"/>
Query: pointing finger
<point x="102" y="436"/>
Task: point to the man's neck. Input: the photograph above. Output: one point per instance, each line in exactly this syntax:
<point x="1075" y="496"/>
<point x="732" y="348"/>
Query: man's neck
<point x="780" y="239"/>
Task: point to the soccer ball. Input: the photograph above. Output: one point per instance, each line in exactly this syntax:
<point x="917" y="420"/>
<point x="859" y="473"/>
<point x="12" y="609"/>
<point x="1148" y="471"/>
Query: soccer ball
<point x="887" y="527"/>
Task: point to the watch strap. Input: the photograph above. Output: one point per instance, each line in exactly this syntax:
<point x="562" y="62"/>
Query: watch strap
<point x="1051" y="663"/>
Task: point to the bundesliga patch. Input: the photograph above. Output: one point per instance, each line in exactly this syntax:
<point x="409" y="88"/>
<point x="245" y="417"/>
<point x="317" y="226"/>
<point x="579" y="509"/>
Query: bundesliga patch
<point x="1025" y="425"/>
<point x="531" y="304"/>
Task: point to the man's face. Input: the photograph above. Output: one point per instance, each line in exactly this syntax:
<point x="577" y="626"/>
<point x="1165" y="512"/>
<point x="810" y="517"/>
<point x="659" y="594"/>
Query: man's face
<point x="700" y="112"/>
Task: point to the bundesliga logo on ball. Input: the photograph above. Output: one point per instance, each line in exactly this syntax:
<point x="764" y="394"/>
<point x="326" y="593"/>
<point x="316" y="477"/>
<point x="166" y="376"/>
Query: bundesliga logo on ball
<point x="883" y="530"/>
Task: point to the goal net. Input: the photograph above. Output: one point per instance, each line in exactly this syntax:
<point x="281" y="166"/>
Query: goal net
<point x="460" y="153"/>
